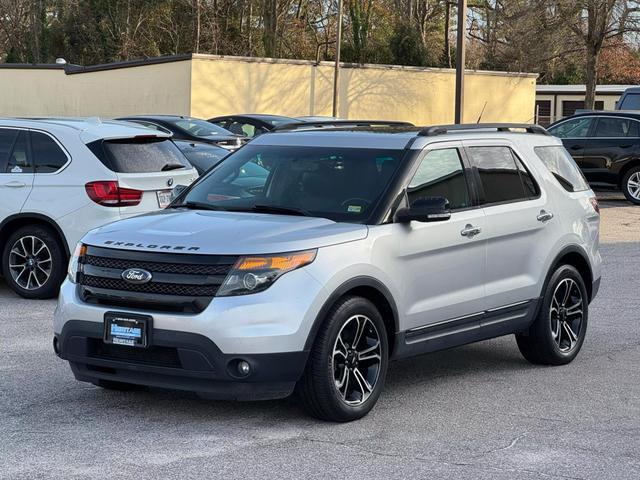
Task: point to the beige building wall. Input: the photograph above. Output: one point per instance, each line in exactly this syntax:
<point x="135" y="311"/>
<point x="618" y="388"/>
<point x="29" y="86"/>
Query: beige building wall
<point x="225" y="85"/>
<point x="207" y="85"/>
<point x="160" y="88"/>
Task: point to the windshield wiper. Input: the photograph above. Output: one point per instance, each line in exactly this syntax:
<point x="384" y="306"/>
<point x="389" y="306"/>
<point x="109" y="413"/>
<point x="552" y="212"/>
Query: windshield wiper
<point x="277" y="209"/>
<point x="191" y="205"/>
<point x="171" y="166"/>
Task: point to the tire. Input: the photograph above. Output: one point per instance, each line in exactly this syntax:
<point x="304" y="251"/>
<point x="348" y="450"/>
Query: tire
<point x="48" y="270"/>
<point x="629" y="182"/>
<point x="118" y="386"/>
<point x="319" y="388"/>
<point x="541" y="344"/>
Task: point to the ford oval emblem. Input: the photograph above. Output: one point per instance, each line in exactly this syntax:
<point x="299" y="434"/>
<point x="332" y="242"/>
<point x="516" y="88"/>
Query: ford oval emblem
<point x="137" y="276"/>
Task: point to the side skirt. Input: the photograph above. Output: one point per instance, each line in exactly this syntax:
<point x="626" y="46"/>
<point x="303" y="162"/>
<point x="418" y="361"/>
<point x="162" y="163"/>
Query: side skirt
<point x="468" y="329"/>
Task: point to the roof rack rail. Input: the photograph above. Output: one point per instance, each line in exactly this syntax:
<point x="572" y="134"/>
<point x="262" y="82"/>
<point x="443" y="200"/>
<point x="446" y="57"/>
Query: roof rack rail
<point x="500" y="127"/>
<point x="340" y="123"/>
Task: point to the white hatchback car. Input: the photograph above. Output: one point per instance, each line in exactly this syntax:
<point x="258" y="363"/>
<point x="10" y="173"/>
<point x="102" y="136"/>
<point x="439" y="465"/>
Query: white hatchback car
<point x="59" y="178"/>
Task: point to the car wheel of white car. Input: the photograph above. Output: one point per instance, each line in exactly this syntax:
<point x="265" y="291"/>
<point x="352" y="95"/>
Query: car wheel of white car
<point x="33" y="262"/>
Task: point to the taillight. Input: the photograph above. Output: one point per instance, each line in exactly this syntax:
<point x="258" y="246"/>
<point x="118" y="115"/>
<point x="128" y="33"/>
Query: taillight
<point x="111" y="194"/>
<point x="594" y="204"/>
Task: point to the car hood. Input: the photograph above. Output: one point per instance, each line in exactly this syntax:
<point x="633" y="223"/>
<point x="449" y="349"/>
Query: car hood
<point x="223" y="233"/>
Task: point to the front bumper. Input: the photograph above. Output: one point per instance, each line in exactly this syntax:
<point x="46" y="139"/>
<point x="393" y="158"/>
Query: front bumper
<point x="178" y="360"/>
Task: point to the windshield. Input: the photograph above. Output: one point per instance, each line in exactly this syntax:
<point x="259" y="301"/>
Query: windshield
<point x="201" y="128"/>
<point x="342" y="184"/>
<point x="631" y="101"/>
<point x="202" y="155"/>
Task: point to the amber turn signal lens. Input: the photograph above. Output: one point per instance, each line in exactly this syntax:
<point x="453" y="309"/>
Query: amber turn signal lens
<point x="277" y="262"/>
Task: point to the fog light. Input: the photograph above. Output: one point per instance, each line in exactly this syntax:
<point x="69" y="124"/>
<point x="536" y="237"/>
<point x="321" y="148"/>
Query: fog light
<point x="243" y="368"/>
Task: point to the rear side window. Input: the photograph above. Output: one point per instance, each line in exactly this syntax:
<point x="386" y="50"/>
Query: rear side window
<point x="7" y="139"/>
<point x="563" y="167"/>
<point x="135" y="155"/>
<point x="19" y="157"/>
<point x="616" y="127"/>
<point x="440" y="174"/>
<point x="504" y="178"/>
<point x="47" y="154"/>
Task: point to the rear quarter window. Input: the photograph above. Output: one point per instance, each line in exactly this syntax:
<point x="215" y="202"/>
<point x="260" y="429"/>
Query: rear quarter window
<point x="560" y="163"/>
<point x="133" y="155"/>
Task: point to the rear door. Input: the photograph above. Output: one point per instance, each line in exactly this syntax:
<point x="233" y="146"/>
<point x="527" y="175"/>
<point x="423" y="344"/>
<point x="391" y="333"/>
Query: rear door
<point x="16" y="171"/>
<point x="152" y="165"/>
<point x="614" y="140"/>
<point x="574" y="132"/>
<point x="519" y="220"/>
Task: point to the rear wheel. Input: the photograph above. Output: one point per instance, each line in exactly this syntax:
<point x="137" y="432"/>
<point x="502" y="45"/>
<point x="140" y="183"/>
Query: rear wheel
<point x="347" y="366"/>
<point x="631" y="185"/>
<point x="557" y="334"/>
<point x="34" y="262"/>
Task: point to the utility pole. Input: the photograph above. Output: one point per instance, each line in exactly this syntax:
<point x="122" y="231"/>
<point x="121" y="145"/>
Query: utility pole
<point x="460" y="59"/>
<point x="336" y="73"/>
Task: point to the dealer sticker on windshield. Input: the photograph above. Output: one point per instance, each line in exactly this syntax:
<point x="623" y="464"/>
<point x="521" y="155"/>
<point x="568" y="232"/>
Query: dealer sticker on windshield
<point x="354" y="209"/>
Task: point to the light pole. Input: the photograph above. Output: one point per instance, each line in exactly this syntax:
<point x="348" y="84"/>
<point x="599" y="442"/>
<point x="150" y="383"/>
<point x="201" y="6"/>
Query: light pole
<point x="460" y="60"/>
<point x="336" y="73"/>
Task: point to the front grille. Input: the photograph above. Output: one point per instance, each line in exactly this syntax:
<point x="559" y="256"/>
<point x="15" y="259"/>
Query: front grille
<point x="180" y="282"/>
<point x="157" y="288"/>
<point x="179" y="268"/>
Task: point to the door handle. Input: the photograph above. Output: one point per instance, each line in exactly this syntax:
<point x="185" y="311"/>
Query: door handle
<point x="544" y="216"/>
<point x="15" y="184"/>
<point x="575" y="147"/>
<point x="470" y="231"/>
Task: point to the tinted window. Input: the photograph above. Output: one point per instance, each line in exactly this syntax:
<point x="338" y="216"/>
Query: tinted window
<point x="630" y="101"/>
<point x="616" y="127"/>
<point x="19" y="159"/>
<point x="7" y="138"/>
<point x="563" y="167"/>
<point x="503" y="177"/>
<point x="342" y="184"/>
<point x="575" y="128"/>
<point x="47" y="154"/>
<point x="200" y="128"/>
<point x="202" y="155"/>
<point x="440" y="174"/>
<point x="142" y="156"/>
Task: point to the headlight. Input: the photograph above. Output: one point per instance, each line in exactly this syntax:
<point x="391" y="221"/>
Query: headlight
<point x="74" y="262"/>
<point x="252" y="274"/>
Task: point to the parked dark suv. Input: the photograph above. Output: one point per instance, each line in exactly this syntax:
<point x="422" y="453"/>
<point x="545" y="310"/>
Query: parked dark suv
<point x="606" y="147"/>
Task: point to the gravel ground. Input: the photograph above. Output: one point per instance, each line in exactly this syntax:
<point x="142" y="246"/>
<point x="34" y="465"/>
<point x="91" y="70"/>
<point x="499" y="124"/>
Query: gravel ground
<point x="474" y="412"/>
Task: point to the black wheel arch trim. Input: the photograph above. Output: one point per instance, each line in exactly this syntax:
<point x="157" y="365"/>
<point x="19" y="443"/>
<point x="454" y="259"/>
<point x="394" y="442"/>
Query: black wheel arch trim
<point x="41" y="218"/>
<point x="356" y="282"/>
<point x="555" y="263"/>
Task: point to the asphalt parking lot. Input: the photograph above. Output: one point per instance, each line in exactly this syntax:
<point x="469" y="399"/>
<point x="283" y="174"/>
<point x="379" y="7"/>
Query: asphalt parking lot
<point x="479" y="411"/>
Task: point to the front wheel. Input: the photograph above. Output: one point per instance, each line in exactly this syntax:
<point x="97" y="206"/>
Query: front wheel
<point x="348" y="364"/>
<point x="557" y="334"/>
<point x="631" y="185"/>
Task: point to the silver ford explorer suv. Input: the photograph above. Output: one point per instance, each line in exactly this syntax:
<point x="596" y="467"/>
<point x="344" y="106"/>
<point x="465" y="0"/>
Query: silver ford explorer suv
<point x="307" y="260"/>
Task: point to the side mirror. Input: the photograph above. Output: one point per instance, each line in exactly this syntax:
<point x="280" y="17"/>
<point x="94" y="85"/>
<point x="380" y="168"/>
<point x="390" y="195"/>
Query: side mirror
<point x="177" y="190"/>
<point x="428" y="209"/>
